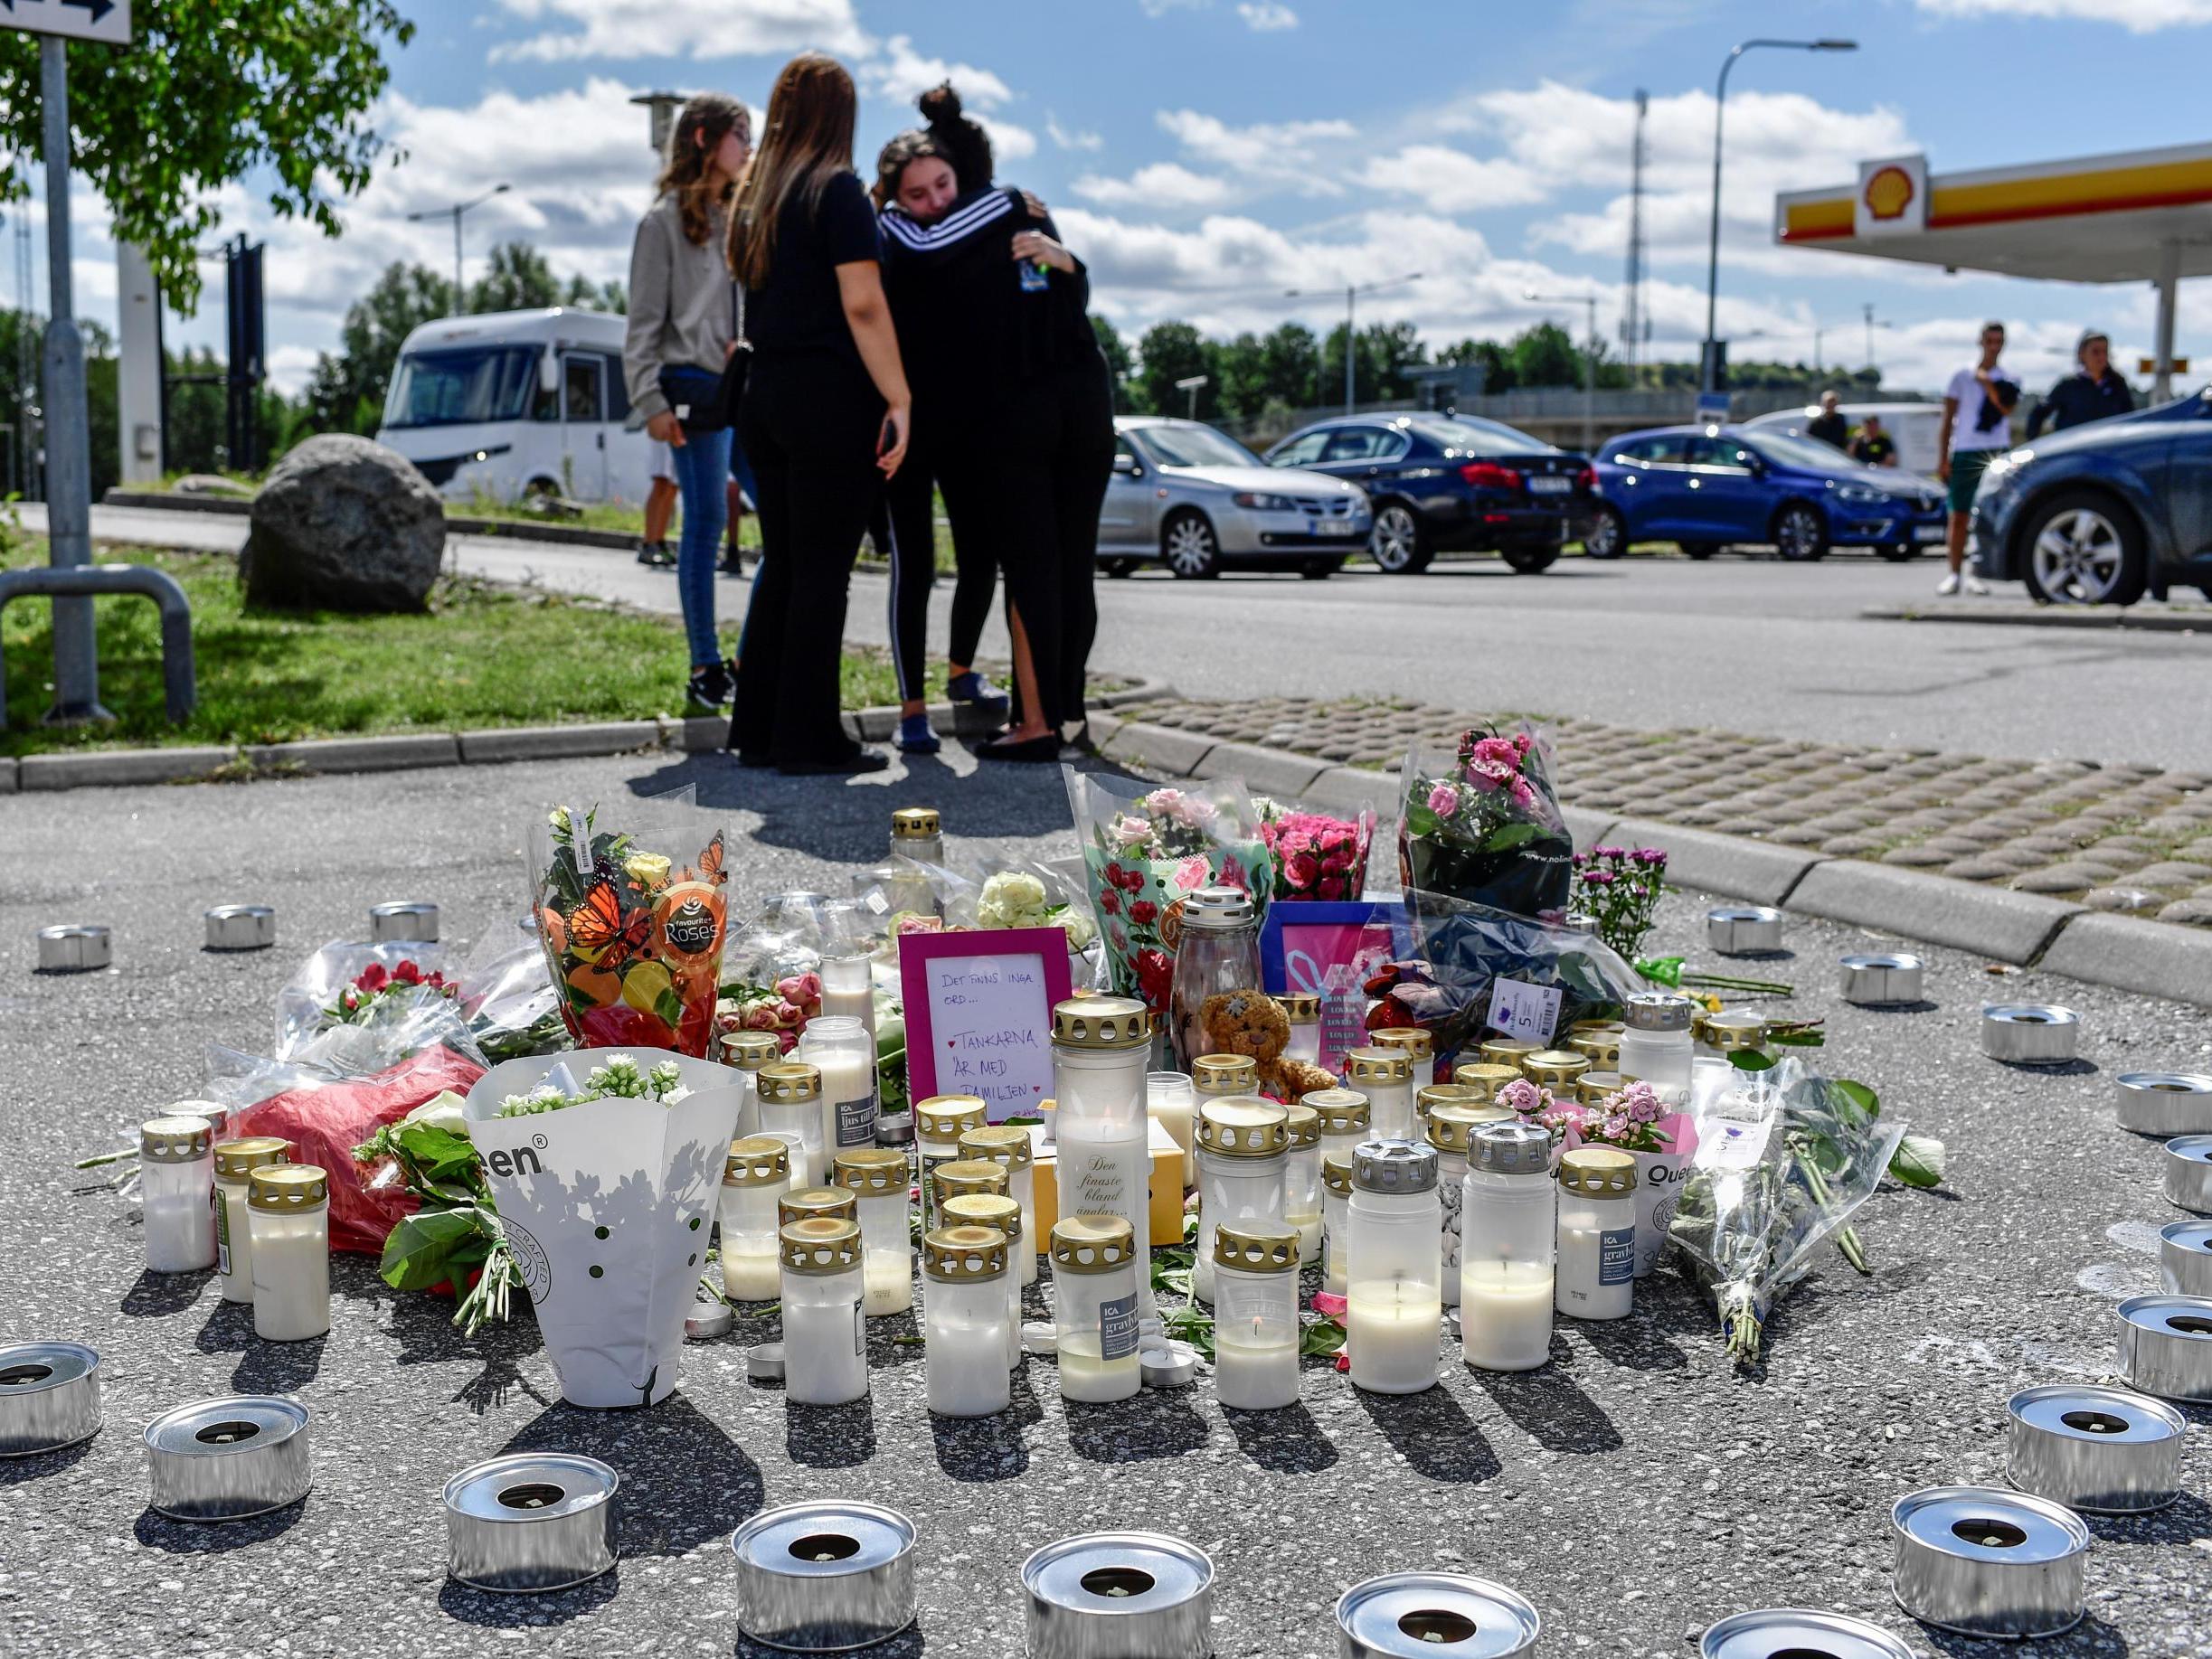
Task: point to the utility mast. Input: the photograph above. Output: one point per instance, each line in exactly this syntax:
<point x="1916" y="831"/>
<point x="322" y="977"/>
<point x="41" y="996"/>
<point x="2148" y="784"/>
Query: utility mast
<point x="1634" y="329"/>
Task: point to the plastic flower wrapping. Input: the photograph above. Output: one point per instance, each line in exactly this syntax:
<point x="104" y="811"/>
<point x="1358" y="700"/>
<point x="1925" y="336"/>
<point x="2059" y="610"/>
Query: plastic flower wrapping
<point x="1146" y="851"/>
<point x="1317" y="855"/>
<point x="1482" y="823"/>
<point x="632" y="922"/>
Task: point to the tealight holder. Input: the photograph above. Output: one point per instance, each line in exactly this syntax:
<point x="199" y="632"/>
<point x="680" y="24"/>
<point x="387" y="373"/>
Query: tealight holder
<point x="707" y="1320"/>
<point x="2103" y="1451"/>
<point x="49" y="1397"/>
<point x="1744" y="929"/>
<point x="2030" y="1033"/>
<point x="2185" y="1257"/>
<point x="2163" y="1103"/>
<point x="2189" y="1173"/>
<point x="2166" y="1346"/>
<point x="824" y="1577"/>
<point x="229" y="1457"/>
<point x="412" y="921"/>
<point x="1172" y="1366"/>
<point x="530" y="1521"/>
<point x="240" y="927"/>
<point x="1402" y="1614"/>
<point x="764" y="1363"/>
<point x="1883" y="979"/>
<point x="1119" y="1595"/>
<point x="1794" y="1632"/>
<point x="1987" y="1563"/>
<point x="74" y="947"/>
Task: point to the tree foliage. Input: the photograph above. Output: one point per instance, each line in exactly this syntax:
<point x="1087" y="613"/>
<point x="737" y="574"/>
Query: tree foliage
<point x="208" y="92"/>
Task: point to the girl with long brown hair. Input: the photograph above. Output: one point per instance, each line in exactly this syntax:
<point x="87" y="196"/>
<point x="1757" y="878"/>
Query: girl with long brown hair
<point x="823" y="418"/>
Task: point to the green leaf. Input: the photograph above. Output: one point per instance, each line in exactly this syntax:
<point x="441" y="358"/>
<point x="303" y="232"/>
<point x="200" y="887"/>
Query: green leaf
<point x="1750" y="1060"/>
<point x="431" y="1246"/>
<point x="438" y="1153"/>
<point x="1919" y="1161"/>
<point x="1803" y="1039"/>
<point x="1506" y="837"/>
<point x="1320" y="1336"/>
<point x="668" y="1008"/>
<point x="1419" y="821"/>
<point x="1858" y="1095"/>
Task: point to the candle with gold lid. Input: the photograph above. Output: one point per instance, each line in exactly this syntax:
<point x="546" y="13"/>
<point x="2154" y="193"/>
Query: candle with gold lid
<point x="940" y="1121"/>
<point x="1218" y="1076"/>
<point x="1346" y="1118"/>
<point x="1095" y="1308"/>
<point x="790" y="1108"/>
<point x="745" y="1052"/>
<point x="1597" y="1234"/>
<point x="1485" y="1077"/>
<point x="965" y="1175"/>
<point x="1448" y="1123"/>
<point x="176" y="1185"/>
<point x="825" y="1340"/>
<point x="1336" y="1198"/>
<point x="876" y="1178"/>
<point x="1243" y="1153"/>
<point x="288" y="1207"/>
<point x="1103" y="1162"/>
<point x="818" y="1203"/>
<point x="235" y="1162"/>
<point x="1592" y="1087"/>
<point x="995" y="1210"/>
<point x="756" y="1172"/>
<point x="1255" y="1315"/>
<point x="1302" y="1179"/>
<point x="1304" y="1013"/>
<point x="1555" y="1069"/>
<point x="1386" y="1076"/>
<point x="1599" y="1048"/>
<point x="1508" y="1052"/>
<point x="1008" y="1146"/>
<point x="1411" y="1041"/>
<point x="964" y="1316"/>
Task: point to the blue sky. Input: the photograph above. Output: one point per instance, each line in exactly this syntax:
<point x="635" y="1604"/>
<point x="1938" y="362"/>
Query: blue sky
<point x="1206" y="154"/>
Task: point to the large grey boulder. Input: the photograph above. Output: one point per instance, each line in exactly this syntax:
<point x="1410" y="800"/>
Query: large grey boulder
<point x="344" y="524"/>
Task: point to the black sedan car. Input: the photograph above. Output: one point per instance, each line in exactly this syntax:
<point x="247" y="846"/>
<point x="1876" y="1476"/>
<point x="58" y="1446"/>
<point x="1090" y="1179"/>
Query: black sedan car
<point x="2104" y="512"/>
<point x="1447" y="483"/>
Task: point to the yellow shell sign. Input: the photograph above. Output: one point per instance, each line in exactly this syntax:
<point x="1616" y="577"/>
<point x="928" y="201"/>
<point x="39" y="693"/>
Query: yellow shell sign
<point x="1888" y="192"/>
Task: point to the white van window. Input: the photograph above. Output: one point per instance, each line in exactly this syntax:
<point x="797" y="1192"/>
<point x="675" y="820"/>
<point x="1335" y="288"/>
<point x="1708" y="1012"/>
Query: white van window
<point x="461" y="385"/>
<point x="580" y="378"/>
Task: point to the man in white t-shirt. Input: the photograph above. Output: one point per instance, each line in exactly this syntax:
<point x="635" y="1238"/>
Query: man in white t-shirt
<point x="659" y="508"/>
<point x="1978" y="407"/>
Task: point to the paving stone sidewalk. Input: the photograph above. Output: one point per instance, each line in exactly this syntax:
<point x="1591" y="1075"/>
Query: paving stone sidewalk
<point x="2130" y="839"/>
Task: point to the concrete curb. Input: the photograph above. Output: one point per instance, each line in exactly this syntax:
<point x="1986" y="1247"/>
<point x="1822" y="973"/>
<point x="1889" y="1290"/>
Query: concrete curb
<point x="2051" y="615"/>
<point x="1736" y="865"/>
<point x="392" y="754"/>
<point x="558" y="742"/>
<point x="7" y="775"/>
<point x="121" y="767"/>
<point x="1990" y="921"/>
<point x="2156" y="958"/>
<point x="457" y="523"/>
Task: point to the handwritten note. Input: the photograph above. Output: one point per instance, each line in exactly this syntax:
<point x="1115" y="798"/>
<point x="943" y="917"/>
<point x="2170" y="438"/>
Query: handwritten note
<point x="979" y="1023"/>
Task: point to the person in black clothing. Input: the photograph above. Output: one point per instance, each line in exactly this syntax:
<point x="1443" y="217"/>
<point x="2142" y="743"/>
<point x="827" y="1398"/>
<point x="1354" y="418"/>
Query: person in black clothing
<point x="2095" y="393"/>
<point x="1829" y="426"/>
<point x="1873" y="446"/>
<point x="992" y="282"/>
<point x="824" y="415"/>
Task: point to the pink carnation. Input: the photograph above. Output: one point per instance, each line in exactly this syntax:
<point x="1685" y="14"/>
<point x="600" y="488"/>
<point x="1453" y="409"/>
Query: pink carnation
<point x="1303" y="870"/>
<point x="1523" y="1096"/>
<point x="1617" y="1126"/>
<point x="1443" y="801"/>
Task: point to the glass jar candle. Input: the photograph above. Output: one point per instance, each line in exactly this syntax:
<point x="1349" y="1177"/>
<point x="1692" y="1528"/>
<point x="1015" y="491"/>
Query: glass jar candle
<point x="1008" y="1146"/>
<point x="235" y="1162"/>
<point x="1336" y="1242"/>
<point x="876" y="1178"/>
<point x="176" y="1191"/>
<point x="1733" y="1031"/>
<point x="1255" y="1315"/>
<point x="1302" y="1179"/>
<point x="756" y="1173"/>
<point x="841" y="1049"/>
<point x="1243" y="1157"/>
<point x="791" y="1096"/>
<point x="1555" y="1070"/>
<point x="745" y="1052"/>
<point x="1303" y="1010"/>
<point x="1486" y="1078"/>
<point x="1450" y="1126"/>
<point x="1095" y="1308"/>
<point x="1594" y="1087"/>
<point x="848" y="992"/>
<point x="288" y="1210"/>
<point x="1386" y="1076"/>
<point x="1463" y="1097"/>
<point x="916" y="836"/>
<point x="1218" y="953"/>
<point x="940" y="1121"/>
<point x="1597" y="1234"/>
<point x="1102" y="1160"/>
<point x="825" y="1335"/>
<point x="1508" y="1213"/>
<point x="964" y="1316"/>
<point x="1002" y="1215"/>
<point x="1599" y="1044"/>
<point x="815" y="1204"/>
<point x="1416" y="1044"/>
<point x="1172" y="1102"/>
<point x="1656" y="1047"/>
<point x="1396" y="1305"/>
<point x="1508" y="1052"/>
<point x="1345" y="1118"/>
<point x="1218" y="1077"/>
<point x="918" y="832"/>
<point x="962" y="1177"/>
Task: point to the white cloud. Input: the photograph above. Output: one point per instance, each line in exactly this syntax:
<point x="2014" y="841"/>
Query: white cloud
<point x="1070" y="139"/>
<point x="2136" y="17"/>
<point x="1282" y="151"/>
<point x="1164" y="185"/>
<point x="696" y="29"/>
<point x="906" y="74"/>
<point x="1266" y="16"/>
<point x="1451" y="181"/>
<point x="1008" y="142"/>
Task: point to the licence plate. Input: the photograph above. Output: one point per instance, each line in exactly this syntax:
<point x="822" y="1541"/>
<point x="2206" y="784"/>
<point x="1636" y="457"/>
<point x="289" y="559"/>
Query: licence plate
<point x="1334" y="527"/>
<point x="1550" y="487"/>
<point x="1927" y="533"/>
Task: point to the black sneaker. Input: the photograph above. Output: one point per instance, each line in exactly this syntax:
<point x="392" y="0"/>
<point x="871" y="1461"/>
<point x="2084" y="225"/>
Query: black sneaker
<point x="655" y="553"/>
<point x="711" y="686"/>
<point x="733" y="561"/>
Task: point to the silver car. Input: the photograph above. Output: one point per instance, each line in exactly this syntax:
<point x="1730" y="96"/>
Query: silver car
<point x="1183" y="494"/>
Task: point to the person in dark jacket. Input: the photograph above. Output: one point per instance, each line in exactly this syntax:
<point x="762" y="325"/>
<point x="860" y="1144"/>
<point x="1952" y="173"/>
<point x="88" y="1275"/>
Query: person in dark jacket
<point x="1873" y="446"/>
<point x="1829" y="426"/>
<point x="2095" y="393"/>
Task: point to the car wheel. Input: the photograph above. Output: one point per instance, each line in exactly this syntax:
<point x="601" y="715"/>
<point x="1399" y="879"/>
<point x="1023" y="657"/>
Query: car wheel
<point x="1900" y="552"/>
<point x="1528" y="560"/>
<point x="1189" y="547"/>
<point x="1800" y="533"/>
<point x="1700" y="550"/>
<point x="2084" y="548"/>
<point x="1120" y="567"/>
<point x="1608" y="535"/>
<point x="1399" y="542"/>
<point x="1320" y="569"/>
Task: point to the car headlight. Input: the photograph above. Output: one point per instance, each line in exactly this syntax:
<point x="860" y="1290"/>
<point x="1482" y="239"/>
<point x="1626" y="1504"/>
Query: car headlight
<point x="1252" y="502"/>
<point x="1861" y="494"/>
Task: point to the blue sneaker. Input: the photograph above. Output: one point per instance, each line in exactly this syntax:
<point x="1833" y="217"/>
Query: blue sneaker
<point x="916" y="737"/>
<point x="974" y="688"/>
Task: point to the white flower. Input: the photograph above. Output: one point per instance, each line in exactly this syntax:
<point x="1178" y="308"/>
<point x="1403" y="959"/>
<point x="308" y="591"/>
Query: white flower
<point x="442" y="1111"/>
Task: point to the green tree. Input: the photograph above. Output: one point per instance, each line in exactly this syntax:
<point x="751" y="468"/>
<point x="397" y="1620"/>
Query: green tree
<point x="211" y="92"/>
<point x="1381" y="353"/>
<point x="1171" y="352"/>
<point x="1239" y="377"/>
<point x="516" y="277"/>
<point x="346" y="393"/>
<point x="1119" y="364"/>
<point x="1293" y="364"/>
<point x="611" y="296"/>
<point x="1544" y="356"/>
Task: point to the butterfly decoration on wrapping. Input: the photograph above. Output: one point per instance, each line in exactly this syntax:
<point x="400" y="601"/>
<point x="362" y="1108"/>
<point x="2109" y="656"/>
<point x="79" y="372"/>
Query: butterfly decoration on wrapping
<point x="598" y="924"/>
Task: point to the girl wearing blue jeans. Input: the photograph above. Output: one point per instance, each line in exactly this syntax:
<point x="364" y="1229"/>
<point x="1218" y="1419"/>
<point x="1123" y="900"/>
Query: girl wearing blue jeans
<point x="682" y="315"/>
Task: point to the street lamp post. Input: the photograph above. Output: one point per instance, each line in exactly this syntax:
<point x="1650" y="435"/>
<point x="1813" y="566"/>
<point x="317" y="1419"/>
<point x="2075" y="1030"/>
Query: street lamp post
<point x="1351" y="291"/>
<point x="1708" y="378"/>
<point x="1590" y="358"/>
<point x="457" y="210"/>
<point x="1191" y="384"/>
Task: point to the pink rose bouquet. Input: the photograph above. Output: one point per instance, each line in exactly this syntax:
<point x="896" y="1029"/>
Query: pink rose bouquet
<point x="1317" y="856"/>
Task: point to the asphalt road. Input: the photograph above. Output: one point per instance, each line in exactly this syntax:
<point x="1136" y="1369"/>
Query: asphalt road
<point x="1740" y="644"/>
<point x="1635" y="1489"/>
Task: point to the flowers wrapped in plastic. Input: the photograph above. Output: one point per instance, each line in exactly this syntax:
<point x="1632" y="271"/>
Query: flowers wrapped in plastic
<point x="1146" y="851"/>
<point x="1317" y="855"/>
<point x="1638" y="1122"/>
<point x="604" y="1170"/>
<point x="632" y="923"/>
<point x="1482" y="822"/>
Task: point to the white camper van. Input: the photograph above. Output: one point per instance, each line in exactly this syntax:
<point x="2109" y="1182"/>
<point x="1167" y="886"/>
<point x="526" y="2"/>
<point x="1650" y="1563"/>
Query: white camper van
<point x="516" y="403"/>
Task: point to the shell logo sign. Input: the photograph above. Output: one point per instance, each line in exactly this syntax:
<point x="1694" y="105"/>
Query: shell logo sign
<point x="1893" y="196"/>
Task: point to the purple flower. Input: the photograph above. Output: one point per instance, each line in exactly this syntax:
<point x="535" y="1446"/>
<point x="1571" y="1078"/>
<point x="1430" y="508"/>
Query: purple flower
<point x="1524" y="1097"/>
<point x="1606" y="851"/>
<point x="1639" y="1101"/>
<point x="1616" y="1127"/>
<point x="1598" y="878"/>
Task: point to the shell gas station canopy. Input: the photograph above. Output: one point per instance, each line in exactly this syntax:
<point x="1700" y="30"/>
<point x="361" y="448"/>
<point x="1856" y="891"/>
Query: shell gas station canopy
<point x="2144" y="216"/>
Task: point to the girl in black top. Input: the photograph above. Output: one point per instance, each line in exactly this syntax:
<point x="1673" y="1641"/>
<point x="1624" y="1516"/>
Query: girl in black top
<point x="823" y="418"/>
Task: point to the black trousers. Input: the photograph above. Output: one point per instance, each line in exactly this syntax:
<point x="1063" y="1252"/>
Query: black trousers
<point x="810" y="426"/>
<point x="905" y="530"/>
<point x="1052" y="476"/>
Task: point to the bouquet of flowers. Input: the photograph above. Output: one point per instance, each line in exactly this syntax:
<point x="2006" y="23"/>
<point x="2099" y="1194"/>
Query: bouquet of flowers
<point x="452" y="1240"/>
<point x="1317" y="856"/>
<point x="1146" y="851"/>
<point x="1637" y="1121"/>
<point x="632" y="938"/>
<point x="1620" y="888"/>
<point x="345" y="983"/>
<point x="1482" y="824"/>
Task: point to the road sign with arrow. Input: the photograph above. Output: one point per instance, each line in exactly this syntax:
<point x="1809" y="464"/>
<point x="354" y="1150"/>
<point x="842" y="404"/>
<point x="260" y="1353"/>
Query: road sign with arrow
<point x="106" y="21"/>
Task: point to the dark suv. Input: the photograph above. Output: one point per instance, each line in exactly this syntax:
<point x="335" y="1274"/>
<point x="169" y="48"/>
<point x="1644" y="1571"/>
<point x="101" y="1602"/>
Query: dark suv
<point x="1446" y="483"/>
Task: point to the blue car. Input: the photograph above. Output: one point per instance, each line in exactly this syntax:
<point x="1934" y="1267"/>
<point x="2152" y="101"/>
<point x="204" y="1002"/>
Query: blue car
<point x="2102" y="514"/>
<point x="1707" y="488"/>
